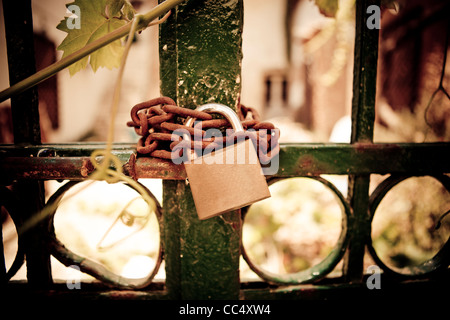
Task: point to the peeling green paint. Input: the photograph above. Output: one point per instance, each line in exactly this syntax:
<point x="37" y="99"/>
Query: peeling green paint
<point x="363" y="120"/>
<point x="200" y="62"/>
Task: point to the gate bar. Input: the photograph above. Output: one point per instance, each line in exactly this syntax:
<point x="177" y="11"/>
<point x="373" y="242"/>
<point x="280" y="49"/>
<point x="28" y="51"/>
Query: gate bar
<point x="200" y="62"/>
<point x="363" y="118"/>
<point x="26" y="128"/>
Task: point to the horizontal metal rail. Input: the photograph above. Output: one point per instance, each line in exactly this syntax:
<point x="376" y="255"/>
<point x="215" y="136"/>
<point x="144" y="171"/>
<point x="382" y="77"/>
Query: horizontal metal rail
<point x="72" y="161"/>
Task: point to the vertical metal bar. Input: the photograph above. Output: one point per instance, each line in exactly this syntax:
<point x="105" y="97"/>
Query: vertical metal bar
<point x="25" y="113"/>
<point x="364" y="75"/>
<point x="200" y="54"/>
<point x="363" y="117"/>
<point x="2" y="261"/>
<point x="173" y="190"/>
<point x="21" y="64"/>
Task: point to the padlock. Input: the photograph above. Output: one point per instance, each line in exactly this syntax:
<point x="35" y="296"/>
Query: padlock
<point x="226" y="179"/>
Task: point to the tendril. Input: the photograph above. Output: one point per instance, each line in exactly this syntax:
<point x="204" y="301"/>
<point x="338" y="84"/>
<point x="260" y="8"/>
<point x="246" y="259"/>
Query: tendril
<point x="109" y="168"/>
<point x="103" y="170"/>
<point x="441" y="81"/>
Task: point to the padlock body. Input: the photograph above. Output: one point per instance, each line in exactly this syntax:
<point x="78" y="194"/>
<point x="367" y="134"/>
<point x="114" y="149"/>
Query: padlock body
<point x="226" y="179"/>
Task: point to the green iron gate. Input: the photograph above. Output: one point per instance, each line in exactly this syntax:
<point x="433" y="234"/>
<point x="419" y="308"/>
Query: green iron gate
<point x="203" y="39"/>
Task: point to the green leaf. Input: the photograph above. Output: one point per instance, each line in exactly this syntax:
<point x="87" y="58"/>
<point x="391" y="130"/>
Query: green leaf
<point x="97" y="18"/>
<point x="121" y="9"/>
<point x="328" y="7"/>
<point x="128" y="10"/>
<point x="113" y="8"/>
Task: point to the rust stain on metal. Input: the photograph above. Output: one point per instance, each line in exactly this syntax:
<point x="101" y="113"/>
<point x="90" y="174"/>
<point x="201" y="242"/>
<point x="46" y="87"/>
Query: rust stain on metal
<point x="129" y="168"/>
<point x="149" y="167"/>
<point x="306" y="162"/>
<point x="86" y="168"/>
<point x="307" y="165"/>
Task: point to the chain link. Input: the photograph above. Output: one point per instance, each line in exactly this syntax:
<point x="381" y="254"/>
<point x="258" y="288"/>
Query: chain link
<point x="157" y="119"/>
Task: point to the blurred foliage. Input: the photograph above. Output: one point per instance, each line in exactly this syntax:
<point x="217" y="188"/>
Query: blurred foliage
<point x="299" y="225"/>
<point x="294" y="229"/>
<point x="404" y="227"/>
<point x="82" y="221"/>
<point x="328" y="7"/>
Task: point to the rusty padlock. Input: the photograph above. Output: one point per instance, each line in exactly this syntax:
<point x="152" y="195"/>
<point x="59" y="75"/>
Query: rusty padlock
<point x="228" y="178"/>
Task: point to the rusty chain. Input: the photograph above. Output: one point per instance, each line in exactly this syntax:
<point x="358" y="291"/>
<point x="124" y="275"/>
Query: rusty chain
<point x="155" y="121"/>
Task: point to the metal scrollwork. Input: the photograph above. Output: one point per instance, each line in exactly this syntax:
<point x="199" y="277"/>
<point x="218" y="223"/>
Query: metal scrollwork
<point x="439" y="262"/>
<point x="319" y="270"/>
<point x="97" y="270"/>
<point x="12" y="205"/>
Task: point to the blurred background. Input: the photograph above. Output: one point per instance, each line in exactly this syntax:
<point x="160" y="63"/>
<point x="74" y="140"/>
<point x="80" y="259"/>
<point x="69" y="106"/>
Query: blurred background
<point x="297" y="72"/>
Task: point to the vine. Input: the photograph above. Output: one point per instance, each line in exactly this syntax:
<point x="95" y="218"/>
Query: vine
<point x="103" y="169"/>
<point x="144" y="21"/>
<point x="441" y="80"/>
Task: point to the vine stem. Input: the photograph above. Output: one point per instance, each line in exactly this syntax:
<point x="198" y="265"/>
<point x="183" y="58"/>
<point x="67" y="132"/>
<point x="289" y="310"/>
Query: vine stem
<point x="441" y="79"/>
<point x="102" y="171"/>
<point x="54" y="68"/>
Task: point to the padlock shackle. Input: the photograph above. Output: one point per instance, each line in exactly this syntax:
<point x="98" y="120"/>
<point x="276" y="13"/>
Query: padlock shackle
<point x="227" y="112"/>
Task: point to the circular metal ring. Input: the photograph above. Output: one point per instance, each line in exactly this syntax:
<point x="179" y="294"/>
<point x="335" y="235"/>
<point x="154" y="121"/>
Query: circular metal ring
<point x="319" y="270"/>
<point x="98" y="271"/>
<point x="441" y="259"/>
<point x="9" y="201"/>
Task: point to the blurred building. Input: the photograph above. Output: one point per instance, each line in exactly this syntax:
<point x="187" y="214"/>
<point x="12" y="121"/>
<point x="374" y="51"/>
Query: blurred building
<point x="278" y="78"/>
<point x="297" y="71"/>
<point x="291" y="67"/>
